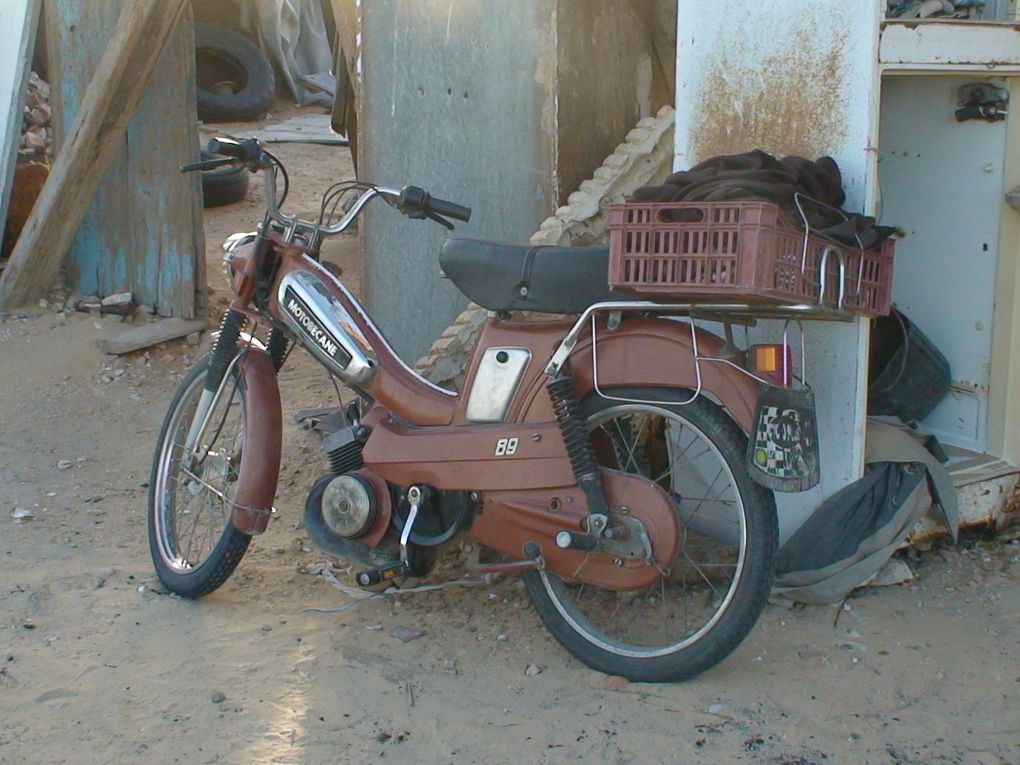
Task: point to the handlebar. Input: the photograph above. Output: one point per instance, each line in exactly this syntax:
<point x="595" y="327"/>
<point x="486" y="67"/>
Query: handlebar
<point x="246" y="149"/>
<point x="412" y="201"/>
<point x="415" y="202"/>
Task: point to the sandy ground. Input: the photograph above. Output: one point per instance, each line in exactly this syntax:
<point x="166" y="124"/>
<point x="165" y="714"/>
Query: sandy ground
<point x="99" y="665"/>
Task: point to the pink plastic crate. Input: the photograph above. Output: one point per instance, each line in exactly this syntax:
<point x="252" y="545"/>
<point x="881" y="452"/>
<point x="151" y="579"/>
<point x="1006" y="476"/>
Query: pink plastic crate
<point x="739" y="252"/>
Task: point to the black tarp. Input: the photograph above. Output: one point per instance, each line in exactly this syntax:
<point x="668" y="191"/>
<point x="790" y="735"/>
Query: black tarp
<point x="855" y="531"/>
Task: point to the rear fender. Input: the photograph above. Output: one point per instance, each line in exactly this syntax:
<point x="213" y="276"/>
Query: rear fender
<point x="654" y="353"/>
<point x="263" y="435"/>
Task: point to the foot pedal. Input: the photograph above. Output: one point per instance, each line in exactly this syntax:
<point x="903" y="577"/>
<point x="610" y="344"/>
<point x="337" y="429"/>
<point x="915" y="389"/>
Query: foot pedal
<point x="415" y="496"/>
<point x="385" y="573"/>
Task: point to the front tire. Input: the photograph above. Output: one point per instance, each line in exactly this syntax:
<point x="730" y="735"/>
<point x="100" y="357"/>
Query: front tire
<point x="194" y="546"/>
<point x="699" y="611"/>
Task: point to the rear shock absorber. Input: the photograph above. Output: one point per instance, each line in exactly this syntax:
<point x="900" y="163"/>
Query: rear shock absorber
<point x="578" y="442"/>
<point x="225" y="348"/>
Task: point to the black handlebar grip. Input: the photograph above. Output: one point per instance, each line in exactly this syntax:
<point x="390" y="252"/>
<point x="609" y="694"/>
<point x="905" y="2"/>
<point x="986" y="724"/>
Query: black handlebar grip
<point x="449" y="209"/>
<point x="206" y="164"/>
<point x="246" y="150"/>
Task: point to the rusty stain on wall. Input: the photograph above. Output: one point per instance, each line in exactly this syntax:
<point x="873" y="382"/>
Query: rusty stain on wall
<point x="791" y="102"/>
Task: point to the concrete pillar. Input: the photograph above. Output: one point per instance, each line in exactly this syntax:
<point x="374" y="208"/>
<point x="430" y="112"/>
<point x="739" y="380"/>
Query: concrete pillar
<point x="504" y="107"/>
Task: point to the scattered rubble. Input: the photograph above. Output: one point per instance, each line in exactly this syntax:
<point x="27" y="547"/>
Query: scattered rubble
<point x="118" y="304"/>
<point x="37" y="131"/>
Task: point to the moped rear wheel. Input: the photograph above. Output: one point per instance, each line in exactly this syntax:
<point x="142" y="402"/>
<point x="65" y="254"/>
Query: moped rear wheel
<point x="193" y="544"/>
<point x="701" y="608"/>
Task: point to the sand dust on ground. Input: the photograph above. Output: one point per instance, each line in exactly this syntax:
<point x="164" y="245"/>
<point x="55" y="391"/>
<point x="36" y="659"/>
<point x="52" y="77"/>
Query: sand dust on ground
<point x="99" y="665"/>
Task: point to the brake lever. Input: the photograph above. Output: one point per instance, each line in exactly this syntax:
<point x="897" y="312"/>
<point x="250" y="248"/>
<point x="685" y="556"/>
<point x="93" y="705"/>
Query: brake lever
<point x="206" y="164"/>
<point x="440" y="220"/>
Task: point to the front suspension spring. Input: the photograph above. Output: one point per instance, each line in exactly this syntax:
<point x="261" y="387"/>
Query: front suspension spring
<point x="225" y="348"/>
<point x="277" y="347"/>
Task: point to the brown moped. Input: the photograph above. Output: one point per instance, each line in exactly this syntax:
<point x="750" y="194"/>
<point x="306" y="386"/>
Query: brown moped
<point x="593" y="453"/>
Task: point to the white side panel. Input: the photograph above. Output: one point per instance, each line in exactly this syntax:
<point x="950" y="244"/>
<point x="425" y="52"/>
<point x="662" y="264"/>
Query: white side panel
<point x="942" y="181"/>
<point x="947" y="46"/>
<point x="18" y="23"/>
<point x="800" y="78"/>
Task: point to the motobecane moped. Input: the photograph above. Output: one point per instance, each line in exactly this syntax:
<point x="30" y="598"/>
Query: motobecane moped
<point x="594" y="453"/>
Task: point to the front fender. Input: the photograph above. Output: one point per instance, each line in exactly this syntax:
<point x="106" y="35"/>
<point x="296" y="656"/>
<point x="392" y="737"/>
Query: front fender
<point x="656" y="353"/>
<point x="260" y="452"/>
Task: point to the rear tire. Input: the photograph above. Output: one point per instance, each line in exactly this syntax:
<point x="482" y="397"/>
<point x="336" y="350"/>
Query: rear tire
<point x="728" y="539"/>
<point x="181" y="504"/>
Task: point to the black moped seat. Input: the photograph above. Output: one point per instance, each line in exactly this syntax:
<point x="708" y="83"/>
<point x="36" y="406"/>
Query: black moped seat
<point x="513" y="277"/>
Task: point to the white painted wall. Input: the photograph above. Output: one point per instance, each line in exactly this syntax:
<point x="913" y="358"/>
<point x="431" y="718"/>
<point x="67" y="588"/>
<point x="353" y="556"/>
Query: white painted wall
<point x="18" y="24"/>
<point x="792" y="77"/>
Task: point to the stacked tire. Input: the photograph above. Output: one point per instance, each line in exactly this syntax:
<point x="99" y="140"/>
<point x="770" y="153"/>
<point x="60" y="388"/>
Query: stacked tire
<point x="224" y="185"/>
<point x="235" y="79"/>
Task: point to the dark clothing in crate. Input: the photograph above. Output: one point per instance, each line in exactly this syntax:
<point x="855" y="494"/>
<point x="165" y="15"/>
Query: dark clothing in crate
<point x="757" y="175"/>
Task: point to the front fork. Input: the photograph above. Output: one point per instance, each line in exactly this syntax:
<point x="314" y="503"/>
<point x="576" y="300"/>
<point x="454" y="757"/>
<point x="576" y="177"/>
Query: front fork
<point x="259" y="468"/>
<point x="224" y="357"/>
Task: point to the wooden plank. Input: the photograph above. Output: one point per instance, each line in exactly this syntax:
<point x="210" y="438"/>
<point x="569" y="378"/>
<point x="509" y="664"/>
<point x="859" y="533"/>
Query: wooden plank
<point x="160" y="258"/>
<point x="19" y="20"/>
<point x="96" y="137"/>
<point x="147" y="335"/>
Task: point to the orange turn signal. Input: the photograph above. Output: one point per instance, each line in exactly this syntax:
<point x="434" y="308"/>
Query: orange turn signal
<point x="772" y="362"/>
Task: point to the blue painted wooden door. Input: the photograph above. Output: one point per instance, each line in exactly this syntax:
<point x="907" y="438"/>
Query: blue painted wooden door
<point x="143" y="233"/>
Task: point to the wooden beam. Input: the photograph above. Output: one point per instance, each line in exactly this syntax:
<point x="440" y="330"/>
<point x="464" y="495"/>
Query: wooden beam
<point x="147" y="335"/>
<point x="159" y="258"/>
<point x="98" y="131"/>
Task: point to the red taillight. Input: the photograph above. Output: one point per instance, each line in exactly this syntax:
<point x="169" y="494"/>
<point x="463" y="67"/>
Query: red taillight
<point x="772" y="362"/>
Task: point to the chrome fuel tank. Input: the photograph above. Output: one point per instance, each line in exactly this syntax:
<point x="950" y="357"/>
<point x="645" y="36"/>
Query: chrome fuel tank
<point x="325" y="327"/>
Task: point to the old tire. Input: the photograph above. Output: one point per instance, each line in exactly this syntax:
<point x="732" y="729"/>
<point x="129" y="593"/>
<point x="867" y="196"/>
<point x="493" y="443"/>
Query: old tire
<point x="235" y="79"/>
<point x="223" y="185"/>
<point x="184" y="570"/>
<point x="700" y="610"/>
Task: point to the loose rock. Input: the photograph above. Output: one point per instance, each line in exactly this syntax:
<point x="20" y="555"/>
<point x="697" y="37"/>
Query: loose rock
<point x="616" y="683"/>
<point x="117" y="299"/>
<point x="407" y="634"/>
<point x="532" y="670"/>
<point x="217" y="697"/>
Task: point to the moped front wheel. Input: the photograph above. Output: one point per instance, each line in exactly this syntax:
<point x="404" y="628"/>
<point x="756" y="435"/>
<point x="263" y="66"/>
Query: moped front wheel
<point x="701" y="607"/>
<point x="194" y="546"/>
